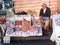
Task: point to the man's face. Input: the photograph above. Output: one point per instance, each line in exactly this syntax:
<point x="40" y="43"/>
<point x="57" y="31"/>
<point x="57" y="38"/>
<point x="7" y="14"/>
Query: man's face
<point x="43" y="7"/>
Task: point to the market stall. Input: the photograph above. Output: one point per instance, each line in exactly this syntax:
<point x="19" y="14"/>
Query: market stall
<point x="20" y="26"/>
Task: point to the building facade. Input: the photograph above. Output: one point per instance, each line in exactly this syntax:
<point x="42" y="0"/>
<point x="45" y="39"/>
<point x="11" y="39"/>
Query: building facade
<point x="34" y="5"/>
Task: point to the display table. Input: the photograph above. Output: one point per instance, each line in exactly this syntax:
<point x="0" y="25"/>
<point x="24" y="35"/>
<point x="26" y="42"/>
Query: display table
<point x="20" y="28"/>
<point x="43" y="37"/>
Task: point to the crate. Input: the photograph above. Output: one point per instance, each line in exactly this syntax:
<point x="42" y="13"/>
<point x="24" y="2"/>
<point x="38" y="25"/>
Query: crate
<point x="6" y="40"/>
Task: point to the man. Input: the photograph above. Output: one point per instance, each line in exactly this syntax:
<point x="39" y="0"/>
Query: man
<point x="45" y="13"/>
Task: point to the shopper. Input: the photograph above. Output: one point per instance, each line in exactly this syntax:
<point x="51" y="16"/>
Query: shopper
<point x="45" y="13"/>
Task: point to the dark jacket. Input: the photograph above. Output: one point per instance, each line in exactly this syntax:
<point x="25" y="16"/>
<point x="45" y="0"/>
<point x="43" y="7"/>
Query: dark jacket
<point x="46" y="14"/>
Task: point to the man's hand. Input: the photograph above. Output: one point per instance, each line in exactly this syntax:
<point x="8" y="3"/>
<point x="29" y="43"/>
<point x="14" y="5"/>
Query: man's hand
<point x="43" y="21"/>
<point x="40" y="17"/>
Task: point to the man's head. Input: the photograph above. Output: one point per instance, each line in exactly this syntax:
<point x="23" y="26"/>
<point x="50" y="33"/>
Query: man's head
<point x="44" y="6"/>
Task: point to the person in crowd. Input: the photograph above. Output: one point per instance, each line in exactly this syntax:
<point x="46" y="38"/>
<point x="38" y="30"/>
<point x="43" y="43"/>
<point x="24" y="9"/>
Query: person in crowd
<point x="45" y="13"/>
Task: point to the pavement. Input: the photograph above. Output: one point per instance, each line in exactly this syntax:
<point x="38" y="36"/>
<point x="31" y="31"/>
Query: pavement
<point x="32" y="42"/>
